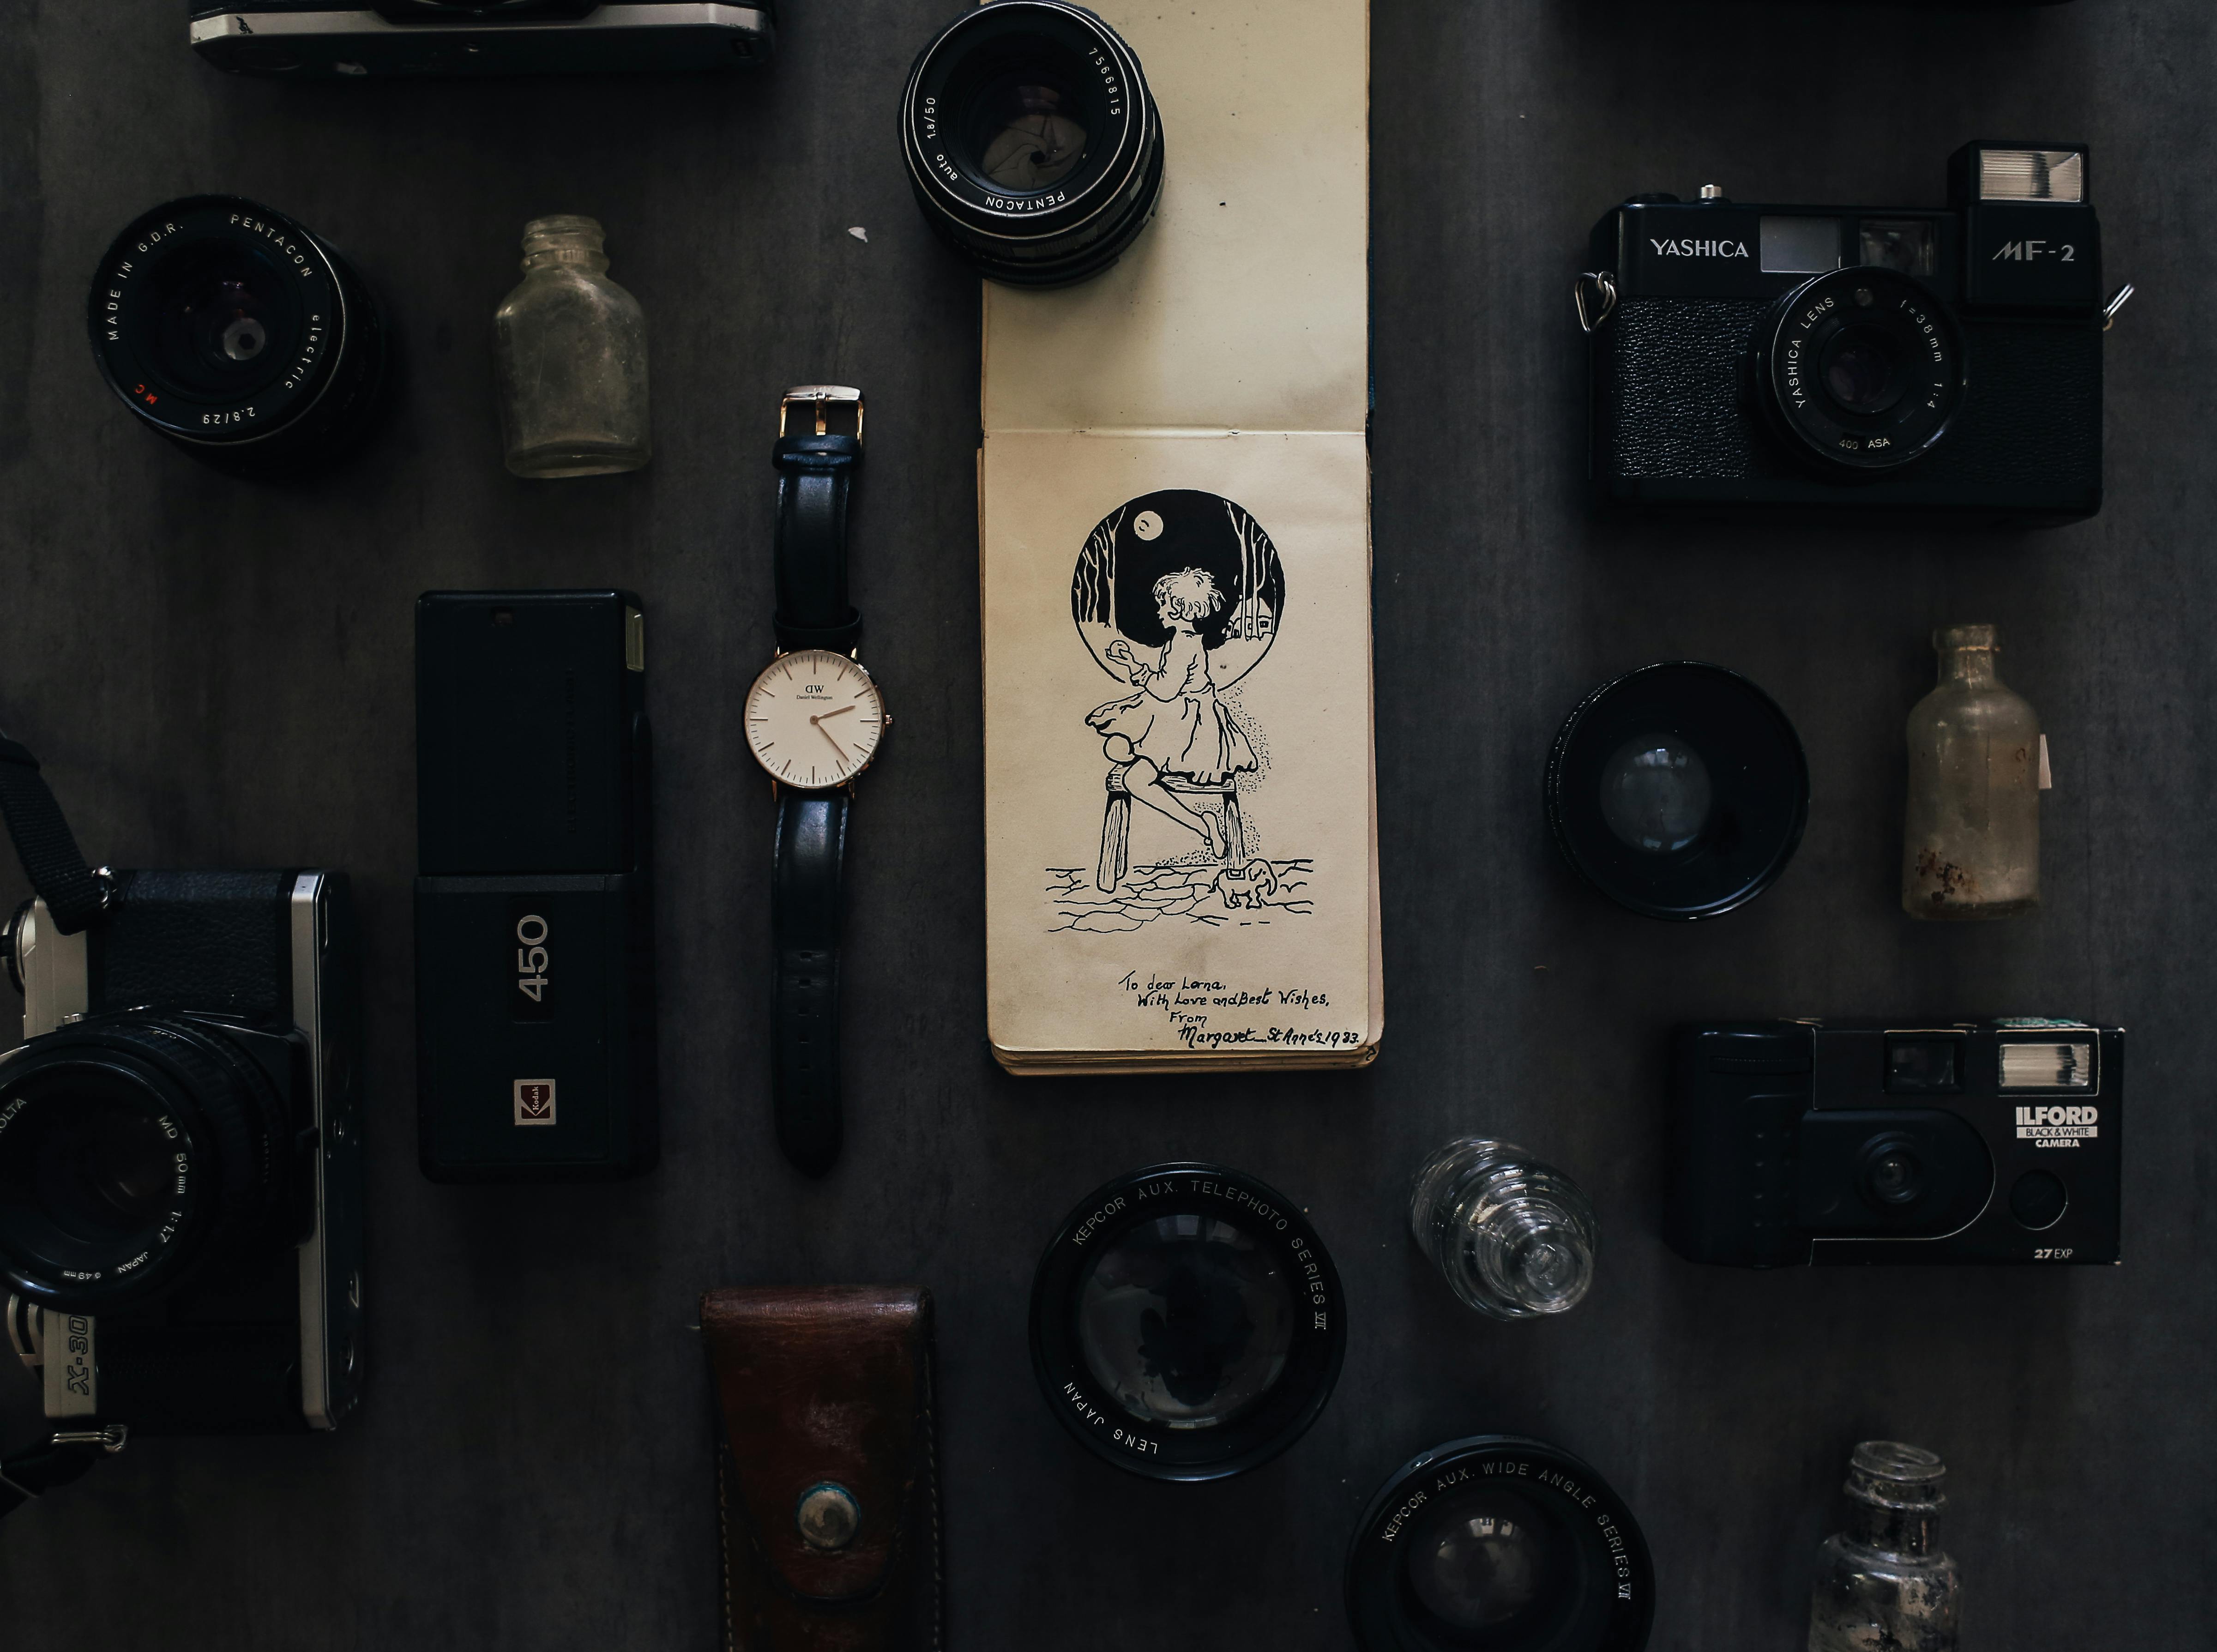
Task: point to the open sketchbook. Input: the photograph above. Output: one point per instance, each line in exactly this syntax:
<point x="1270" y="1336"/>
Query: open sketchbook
<point x="1180" y="810"/>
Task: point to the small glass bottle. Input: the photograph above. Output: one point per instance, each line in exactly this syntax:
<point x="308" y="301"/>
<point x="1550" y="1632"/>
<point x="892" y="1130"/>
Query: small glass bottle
<point x="1513" y="1237"/>
<point x="1883" y="1584"/>
<point x="1970" y="837"/>
<point x="570" y="346"/>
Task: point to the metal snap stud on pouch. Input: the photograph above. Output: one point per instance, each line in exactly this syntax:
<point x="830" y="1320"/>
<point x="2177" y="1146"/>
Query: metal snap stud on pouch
<point x="828" y="1516"/>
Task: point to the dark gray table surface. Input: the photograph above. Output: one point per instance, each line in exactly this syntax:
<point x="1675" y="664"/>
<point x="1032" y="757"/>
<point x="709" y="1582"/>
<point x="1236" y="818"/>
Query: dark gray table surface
<point x="219" y="674"/>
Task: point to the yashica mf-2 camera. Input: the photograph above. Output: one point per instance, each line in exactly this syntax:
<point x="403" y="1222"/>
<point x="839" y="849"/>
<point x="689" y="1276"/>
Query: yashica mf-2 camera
<point x="1799" y="1141"/>
<point x="180" y="1140"/>
<point x="1891" y="358"/>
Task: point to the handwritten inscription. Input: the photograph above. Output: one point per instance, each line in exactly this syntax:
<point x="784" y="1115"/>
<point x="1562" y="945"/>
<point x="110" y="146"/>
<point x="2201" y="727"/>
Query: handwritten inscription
<point x="1192" y="1003"/>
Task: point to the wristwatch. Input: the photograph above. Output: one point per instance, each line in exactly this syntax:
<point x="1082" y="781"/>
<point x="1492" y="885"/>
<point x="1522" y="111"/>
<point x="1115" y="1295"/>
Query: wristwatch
<point x="814" y="720"/>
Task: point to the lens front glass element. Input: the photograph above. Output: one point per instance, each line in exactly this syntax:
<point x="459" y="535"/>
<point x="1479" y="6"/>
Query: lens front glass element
<point x="1656" y="795"/>
<point x="1863" y="370"/>
<point x="1896" y="1176"/>
<point x="1186" y="1322"/>
<point x="1481" y="1560"/>
<point x="102" y="1169"/>
<point x="224" y="321"/>
<point x="1030" y="130"/>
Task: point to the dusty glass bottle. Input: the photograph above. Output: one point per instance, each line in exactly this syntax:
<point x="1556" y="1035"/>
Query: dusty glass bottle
<point x="1513" y="1237"/>
<point x="1884" y="1585"/>
<point x="570" y="346"/>
<point x="1971" y="838"/>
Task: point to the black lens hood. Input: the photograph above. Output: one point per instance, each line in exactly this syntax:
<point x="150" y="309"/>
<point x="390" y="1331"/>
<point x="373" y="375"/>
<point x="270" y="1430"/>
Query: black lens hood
<point x="1792" y="346"/>
<point x="1757" y="767"/>
<point x="224" y="1120"/>
<point x="1081" y="224"/>
<point x="1276" y="1419"/>
<point x="1607" y="1603"/>
<point x="318" y="394"/>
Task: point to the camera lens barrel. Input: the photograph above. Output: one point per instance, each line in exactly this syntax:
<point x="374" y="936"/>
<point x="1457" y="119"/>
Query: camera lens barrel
<point x="1503" y="1542"/>
<point x="1031" y="142"/>
<point x="233" y="331"/>
<point x="1186" y="1323"/>
<point x="133" y="1149"/>
<point x="1861" y="368"/>
<point x="1679" y="790"/>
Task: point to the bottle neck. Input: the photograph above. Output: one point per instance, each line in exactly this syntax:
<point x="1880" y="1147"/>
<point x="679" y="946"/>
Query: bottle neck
<point x="564" y="241"/>
<point x="1896" y="1530"/>
<point x="565" y="255"/>
<point x="1973" y="665"/>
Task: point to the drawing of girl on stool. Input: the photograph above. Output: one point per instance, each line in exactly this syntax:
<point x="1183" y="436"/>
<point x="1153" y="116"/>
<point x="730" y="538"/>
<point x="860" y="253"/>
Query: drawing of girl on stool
<point x="1174" y="725"/>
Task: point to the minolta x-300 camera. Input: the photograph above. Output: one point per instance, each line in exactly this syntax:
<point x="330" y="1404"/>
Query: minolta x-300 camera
<point x="180" y="1140"/>
<point x="1891" y="358"/>
<point x="1799" y="1141"/>
<point x="480" y="37"/>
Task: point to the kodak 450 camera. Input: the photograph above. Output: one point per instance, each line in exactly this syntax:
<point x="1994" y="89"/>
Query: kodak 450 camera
<point x="1800" y="1142"/>
<point x="1859" y="358"/>
<point x="480" y="37"/>
<point x="181" y="1185"/>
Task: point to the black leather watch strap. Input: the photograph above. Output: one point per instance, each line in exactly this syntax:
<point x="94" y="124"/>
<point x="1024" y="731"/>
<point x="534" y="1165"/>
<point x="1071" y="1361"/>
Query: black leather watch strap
<point x="813" y="475"/>
<point x="805" y="901"/>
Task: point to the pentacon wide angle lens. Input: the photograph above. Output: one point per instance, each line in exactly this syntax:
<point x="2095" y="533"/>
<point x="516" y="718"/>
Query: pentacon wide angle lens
<point x="1504" y="1543"/>
<point x="1186" y="1323"/>
<point x="234" y="333"/>
<point x="1679" y="790"/>
<point x="1031" y="141"/>
<point x="133" y="1149"/>
<point x="1861" y="368"/>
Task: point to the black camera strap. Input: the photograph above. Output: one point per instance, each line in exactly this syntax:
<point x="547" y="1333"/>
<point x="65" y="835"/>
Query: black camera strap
<point x="37" y="1470"/>
<point x="73" y="891"/>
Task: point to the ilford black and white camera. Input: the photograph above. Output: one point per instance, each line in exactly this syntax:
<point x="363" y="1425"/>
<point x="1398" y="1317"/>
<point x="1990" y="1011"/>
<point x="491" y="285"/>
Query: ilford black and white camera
<point x="480" y="37"/>
<point x="180" y="1155"/>
<point x="1882" y="358"/>
<point x="1800" y="1141"/>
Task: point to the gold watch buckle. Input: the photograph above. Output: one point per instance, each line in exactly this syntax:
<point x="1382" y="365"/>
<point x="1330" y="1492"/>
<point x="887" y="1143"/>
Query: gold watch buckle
<point x="821" y="396"/>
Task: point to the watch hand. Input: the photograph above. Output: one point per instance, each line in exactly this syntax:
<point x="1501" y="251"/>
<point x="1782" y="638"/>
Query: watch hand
<point x="826" y="732"/>
<point x="828" y="716"/>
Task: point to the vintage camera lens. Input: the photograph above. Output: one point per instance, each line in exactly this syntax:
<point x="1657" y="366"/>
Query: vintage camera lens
<point x="1500" y="1542"/>
<point x="1861" y="368"/>
<point x="1186" y="1322"/>
<point x="234" y="333"/>
<point x="1679" y="790"/>
<point x="133" y="1149"/>
<point x="1032" y="144"/>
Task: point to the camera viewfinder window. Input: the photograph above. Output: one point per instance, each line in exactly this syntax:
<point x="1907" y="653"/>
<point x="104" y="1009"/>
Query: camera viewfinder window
<point x="1928" y="1066"/>
<point x="1903" y="243"/>
<point x="1801" y="247"/>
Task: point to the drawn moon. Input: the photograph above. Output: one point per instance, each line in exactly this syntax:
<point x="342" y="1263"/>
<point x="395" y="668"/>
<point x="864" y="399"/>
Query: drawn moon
<point x="1112" y="589"/>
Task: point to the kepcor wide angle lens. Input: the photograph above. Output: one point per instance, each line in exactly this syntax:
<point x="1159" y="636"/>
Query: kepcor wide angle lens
<point x="1032" y="145"/>
<point x="133" y="1150"/>
<point x="1499" y="1542"/>
<point x="234" y="333"/>
<point x="1186" y="1323"/>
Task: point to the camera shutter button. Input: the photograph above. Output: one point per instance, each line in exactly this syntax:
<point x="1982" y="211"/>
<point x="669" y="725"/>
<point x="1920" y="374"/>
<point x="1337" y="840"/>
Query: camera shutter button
<point x="828" y="1516"/>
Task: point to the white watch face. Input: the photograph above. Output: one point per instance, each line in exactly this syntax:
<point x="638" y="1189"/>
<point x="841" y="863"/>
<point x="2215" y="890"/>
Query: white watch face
<point x="814" y="719"/>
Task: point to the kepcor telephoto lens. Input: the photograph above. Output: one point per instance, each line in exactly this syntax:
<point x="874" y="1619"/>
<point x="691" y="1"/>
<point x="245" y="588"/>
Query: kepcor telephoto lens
<point x="1500" y="1542"/>
<point x="1186" y="1323"/>
<point x="237" y="334"/>
<point x="1861" y="368"/>
<point x="1031" y="140"/>
<point x="134" y="1149"/>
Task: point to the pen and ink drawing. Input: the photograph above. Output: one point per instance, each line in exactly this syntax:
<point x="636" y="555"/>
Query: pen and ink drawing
<point x="1177" y="595"/>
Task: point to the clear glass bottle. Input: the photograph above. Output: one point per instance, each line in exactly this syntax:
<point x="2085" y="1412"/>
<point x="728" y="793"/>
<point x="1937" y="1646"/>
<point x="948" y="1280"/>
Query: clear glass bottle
<point x="570" y="346"/>
<point x="1883" y="1584"/>
<point x="1971" y="839"/>
<point x="1513" y="1237"/>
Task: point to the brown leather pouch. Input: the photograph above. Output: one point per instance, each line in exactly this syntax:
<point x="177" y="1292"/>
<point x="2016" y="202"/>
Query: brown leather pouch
<point x="827" y="1471"/>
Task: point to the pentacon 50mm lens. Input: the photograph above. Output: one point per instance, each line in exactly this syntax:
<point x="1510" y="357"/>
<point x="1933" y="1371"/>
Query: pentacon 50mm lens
<point x="1032" y="144"/>
<point x="235" y="333"/>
